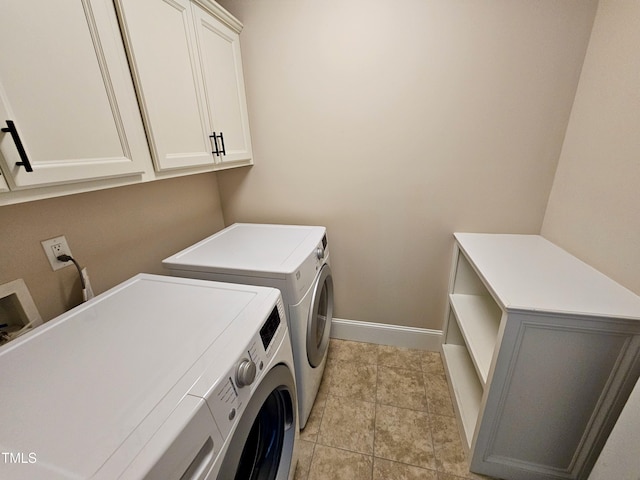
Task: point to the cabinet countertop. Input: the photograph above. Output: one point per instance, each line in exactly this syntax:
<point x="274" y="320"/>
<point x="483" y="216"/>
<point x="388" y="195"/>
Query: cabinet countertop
<point x="528" y="272"/>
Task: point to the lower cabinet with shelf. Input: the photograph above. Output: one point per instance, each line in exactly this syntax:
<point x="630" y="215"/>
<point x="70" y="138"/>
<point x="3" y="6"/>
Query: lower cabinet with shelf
<point x="541" y="352"/>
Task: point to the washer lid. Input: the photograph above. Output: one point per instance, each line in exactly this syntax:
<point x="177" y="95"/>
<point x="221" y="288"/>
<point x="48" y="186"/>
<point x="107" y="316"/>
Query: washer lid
<point x="251" y="249"/>
<point x="109" y="372"/>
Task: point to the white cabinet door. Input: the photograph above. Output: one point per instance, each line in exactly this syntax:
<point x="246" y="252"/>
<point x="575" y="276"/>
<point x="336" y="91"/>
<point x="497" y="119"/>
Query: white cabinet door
<point x="219" y="48"/>
<point x="188" y="71"/>
<point x="3" y="184"/>
<point x="65" y="85"/>
<point x="160" y="42"/>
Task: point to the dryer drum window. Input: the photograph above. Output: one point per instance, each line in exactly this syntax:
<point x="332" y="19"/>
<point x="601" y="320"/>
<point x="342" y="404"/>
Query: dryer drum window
<point x="263" y="442"/>
<point x="321" y="315"/>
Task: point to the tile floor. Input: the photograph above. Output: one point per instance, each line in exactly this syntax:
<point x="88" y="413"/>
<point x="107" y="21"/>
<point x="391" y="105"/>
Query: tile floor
<point x="382" y="413"/>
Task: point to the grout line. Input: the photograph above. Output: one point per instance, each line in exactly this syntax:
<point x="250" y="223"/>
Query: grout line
<point x="347" y="450"/>
<point x="375" y="414"/>
<point x="313" y="452"/>
<point x="430" y="416"/>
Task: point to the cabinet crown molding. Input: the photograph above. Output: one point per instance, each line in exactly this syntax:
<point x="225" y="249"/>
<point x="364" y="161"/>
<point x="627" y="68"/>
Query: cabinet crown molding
<point x="221" y="14"/>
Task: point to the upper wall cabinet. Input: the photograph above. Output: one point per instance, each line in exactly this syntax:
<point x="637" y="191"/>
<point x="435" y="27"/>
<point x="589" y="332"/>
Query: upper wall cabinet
<point x="219" y="47"/>
<point x="68" y="108"/>
<point x="186" y="63"/>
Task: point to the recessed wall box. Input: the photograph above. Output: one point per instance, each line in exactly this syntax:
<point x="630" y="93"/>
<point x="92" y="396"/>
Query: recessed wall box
<point x="18" y="313"/>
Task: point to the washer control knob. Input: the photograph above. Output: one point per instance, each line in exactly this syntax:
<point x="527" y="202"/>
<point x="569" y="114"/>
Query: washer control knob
<point x="320" y="253"/>
<point x="245" y="373"/>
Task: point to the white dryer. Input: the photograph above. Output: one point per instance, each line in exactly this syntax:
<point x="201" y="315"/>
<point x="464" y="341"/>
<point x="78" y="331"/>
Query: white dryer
<point x="158" y="378"/>
<point x="292" y="258"/>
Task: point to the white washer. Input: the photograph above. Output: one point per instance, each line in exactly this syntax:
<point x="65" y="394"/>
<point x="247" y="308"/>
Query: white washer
<point x="292" y="258"/>
<point x="158" y="378"/>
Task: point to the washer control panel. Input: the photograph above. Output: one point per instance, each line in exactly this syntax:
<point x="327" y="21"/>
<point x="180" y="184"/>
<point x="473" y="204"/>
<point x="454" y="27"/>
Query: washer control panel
<point x="233" y="391"/>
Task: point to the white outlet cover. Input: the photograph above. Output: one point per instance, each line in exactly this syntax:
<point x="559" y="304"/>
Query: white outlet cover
<point x="47" y="245"/>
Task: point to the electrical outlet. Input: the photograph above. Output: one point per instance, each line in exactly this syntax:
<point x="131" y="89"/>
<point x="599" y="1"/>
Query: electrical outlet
<point x="53" y="248"/>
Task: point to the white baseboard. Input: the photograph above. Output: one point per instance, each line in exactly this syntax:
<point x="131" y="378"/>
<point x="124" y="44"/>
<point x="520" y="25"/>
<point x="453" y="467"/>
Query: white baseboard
<point x="383" y="334"/>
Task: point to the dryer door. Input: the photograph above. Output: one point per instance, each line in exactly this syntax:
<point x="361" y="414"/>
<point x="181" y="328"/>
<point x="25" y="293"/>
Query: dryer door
<point x="320" y="317"/>
<point x="262" y="445"/>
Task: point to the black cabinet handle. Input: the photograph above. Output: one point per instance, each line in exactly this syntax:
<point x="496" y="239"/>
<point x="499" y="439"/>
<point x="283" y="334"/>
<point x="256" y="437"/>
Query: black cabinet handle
<point x="214" y="139"/>
<point x="11" y="128"/>
<point x="222" y="142"/>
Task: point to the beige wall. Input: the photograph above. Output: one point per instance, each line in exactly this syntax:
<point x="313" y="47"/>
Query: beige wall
<point x="594" y="207"/>
<point x="115" y="233"/>
<point x="395" y="124"/>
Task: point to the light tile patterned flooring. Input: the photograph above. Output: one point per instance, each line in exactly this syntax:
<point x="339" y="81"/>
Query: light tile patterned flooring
<point x="382" y="413"/>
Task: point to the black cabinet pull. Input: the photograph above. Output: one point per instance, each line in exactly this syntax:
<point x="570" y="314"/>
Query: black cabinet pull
<point x="222" y="143"/>
<point x="11" y="128"/>
<point x="214" y="139"/>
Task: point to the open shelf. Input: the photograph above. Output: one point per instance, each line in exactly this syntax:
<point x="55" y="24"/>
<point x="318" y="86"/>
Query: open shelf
<point x="532" y="359"/>
<point x="478" y="318"/>
<point x="466" y="386"/>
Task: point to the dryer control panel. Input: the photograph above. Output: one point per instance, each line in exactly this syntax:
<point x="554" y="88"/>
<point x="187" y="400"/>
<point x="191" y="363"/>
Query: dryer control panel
<point x="306" y="273"/>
